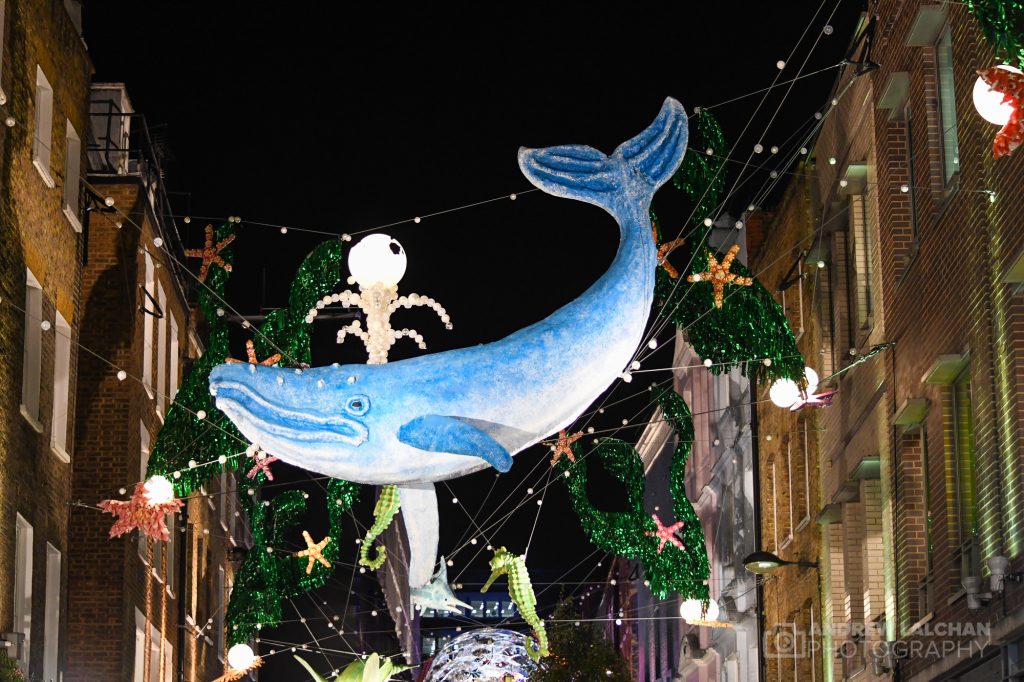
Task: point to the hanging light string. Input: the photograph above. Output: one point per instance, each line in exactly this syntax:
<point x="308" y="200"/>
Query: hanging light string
<point x="218" y="297"/>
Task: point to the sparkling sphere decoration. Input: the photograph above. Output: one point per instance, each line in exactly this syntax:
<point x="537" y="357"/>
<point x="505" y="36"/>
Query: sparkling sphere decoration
<point x="691" y="611"/>
<point x="989" y="103"/>
<point x="159" y="489"/>
<point x="485" y="654"/>
<point x="241" y="656"/>
<point x="784" y="392"/>
<point x="377" y="259"/>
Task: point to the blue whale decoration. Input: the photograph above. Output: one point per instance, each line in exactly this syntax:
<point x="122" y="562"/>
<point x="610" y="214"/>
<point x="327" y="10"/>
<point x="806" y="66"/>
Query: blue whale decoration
<point x="445" y="415"/>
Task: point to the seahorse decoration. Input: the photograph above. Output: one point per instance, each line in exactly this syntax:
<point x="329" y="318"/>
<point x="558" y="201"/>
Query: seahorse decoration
<point x="387" y="506"/>
<point x="520" y="589"/>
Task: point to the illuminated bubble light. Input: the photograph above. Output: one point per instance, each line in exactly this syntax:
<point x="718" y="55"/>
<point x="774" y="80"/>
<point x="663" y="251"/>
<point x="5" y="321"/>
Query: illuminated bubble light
<point x="377" y="259"/>
<point x="485" y="654"/>
<point x="989" y="103"/>
<point x="692" y="611"/>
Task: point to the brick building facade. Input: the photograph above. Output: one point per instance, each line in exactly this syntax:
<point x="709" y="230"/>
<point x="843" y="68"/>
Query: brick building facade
<point x="44" y="86"/>
<point x="787" y="446"/>
<point x="168" y="597"/>
<point x="951" y="279"/>
<point x="918" y="234"/>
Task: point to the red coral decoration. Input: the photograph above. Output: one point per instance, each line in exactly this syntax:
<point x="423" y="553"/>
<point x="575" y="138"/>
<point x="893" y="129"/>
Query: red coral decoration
<point x="139" y="513"/>
<point x="1011" y="86"/>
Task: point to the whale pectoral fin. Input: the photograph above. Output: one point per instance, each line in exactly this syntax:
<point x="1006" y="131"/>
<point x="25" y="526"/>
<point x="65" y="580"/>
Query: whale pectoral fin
<point x="440" y="433"/>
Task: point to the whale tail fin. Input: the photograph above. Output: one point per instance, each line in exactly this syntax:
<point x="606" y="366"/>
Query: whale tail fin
<point x="643" y="163"/>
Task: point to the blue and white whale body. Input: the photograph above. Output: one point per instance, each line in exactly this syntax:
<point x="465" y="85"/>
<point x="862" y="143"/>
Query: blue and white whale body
<point x="448" y="414"/>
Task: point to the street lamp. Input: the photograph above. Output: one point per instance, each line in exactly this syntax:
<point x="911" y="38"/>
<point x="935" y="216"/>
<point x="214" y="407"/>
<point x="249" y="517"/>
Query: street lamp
<point x="763" y="563"/>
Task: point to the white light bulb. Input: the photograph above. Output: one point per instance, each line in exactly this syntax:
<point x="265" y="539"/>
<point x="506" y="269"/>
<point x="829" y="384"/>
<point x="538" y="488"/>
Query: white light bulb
<point x="989" y="103"/>
<point x="784" y="392"/>
<point x="45" y="325"/>
<point x="758" y="148"/>
<point x="109" y="201"/>
<point x="780" y="65"/>
<point x="708" y="362"/>
<point x="159" y="490"/>
<point x="240" y="657"/>
<point x="692" y="610"/>
<point x="812" y="379"/>
<point x="831" y="160"/>
<point x="377" y="259"/>
<point x="708" y="222"/>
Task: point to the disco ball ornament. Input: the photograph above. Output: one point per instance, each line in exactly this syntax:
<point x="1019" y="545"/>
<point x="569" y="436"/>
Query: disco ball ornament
<point x="486" y="654"/>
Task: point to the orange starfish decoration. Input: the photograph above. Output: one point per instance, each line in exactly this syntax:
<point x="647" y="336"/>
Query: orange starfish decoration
<point x="250" y="350"/>
<point x="210" y="253"/>
<point x="563" y="445"/>
<point x="718" y="274"/>
<point x="233" y="675"/>
<point x="313" y="551"/>
<point x="664" y="250"/>
<point x="139" y="513"/>
<point x="1011" y="86"/>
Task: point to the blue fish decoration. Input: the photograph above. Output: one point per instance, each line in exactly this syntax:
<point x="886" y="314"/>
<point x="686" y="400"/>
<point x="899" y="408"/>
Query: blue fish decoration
<point x="444" y="415"/>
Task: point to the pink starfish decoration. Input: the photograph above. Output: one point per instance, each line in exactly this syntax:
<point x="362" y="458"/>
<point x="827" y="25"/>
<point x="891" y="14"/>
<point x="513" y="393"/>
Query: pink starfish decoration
<point x="140" y="513"/>
<point x="665" y="533"/>
<point x="814" y="400"/>
<point x="263" y="462"/>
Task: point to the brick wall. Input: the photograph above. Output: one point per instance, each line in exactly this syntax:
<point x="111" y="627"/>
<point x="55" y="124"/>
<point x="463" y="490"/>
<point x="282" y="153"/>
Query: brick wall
<point x="35" y="234"/>
<point x="945" y="250"/>
<point x="787" y="444"/>
<point x="109" y="577"/>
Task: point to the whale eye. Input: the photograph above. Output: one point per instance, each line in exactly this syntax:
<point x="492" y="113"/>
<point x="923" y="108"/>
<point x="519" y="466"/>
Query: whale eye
<point x="358" y="405"/>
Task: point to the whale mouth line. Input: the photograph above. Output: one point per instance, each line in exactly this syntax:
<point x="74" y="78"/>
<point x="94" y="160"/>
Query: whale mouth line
<point x="293" y="424"/>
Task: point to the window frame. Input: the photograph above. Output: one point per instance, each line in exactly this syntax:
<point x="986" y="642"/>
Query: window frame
<point x="60" y="415"/>
<point x="966" y="513"/>
<point x="51" y="614"/>
<point x="42" y="149"/>
<point x="24" y="549"/>
<point x="161" y="353"/>
<point x="32" y="355"/>
<point x="946" y="98"/>
<point x="70" y="199"/>
<point x="147" y="327"/>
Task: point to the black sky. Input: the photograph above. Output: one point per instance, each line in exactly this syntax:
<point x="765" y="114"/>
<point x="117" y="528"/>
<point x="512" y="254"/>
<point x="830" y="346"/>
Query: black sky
<point x="340" y="122"/>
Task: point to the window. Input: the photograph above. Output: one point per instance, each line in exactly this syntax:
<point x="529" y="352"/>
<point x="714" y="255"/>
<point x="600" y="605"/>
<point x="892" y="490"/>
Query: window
<point x="801" y="464"/>
<point x="44" y="127"/>
<point x="161" y="353"/>
<point x="861" y="270"/>
<point x="147" y="330"/>
<point x="72" y="175"/>
<point x="61" y="388"/>
<point x="32" y="367"/>
<point x="947" y="105"/>
<point x="175" y="350"/>
<point x="154" y="652"/>
<point x="143" y="464"/>
<point x="51" y="619"/>
<point x="23" y="584"/>
<point x="964" y="469"/>
<point x="908" y="124"/>
<point x="775" y="505"/>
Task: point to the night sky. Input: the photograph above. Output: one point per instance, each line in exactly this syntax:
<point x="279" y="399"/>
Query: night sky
<point x="340" y="123"/>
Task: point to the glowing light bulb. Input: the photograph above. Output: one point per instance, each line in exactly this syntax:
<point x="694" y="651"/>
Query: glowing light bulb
<point x="989" y="103"/>
<point x="241" y="656"/>
<point x="693" y="610"/>
<point x="784" y="392"/>
<point x="377" y="259"/>
<point x="159" y="490"/>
